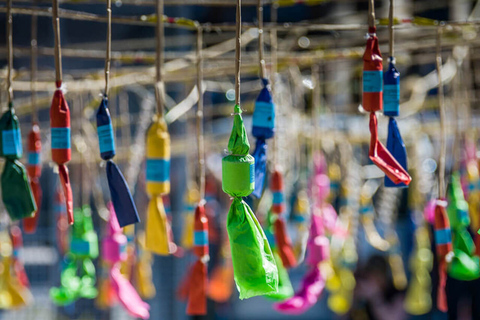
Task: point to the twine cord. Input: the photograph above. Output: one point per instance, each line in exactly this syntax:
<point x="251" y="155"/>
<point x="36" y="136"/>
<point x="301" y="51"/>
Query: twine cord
<point x="33" y="68"/>
<point x="441" y="107"/>
<point x="273" y="72"/>
<point x="316" y="106"/>
<point x="238" y="53"/>
<point x="261" y="56"/>
<point x="9" y="53"/>
<point x="159" y="37"/>
<point x="109" y="46"/>
<point x="58" y="51"/>
<point x="390" y="28"/>
<point x="371" y="13"/>
<point x="199" y="116"/>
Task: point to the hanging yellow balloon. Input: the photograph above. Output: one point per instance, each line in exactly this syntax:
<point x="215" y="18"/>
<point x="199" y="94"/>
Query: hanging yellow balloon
<point x="300" y="217"/>
<point x="126" y="266"/>
<point x="367" y="220"/>
<point x="335" y="175"/>
<point x="158" y="184"/>
<point x="20" y="295"/>
<point x="12" y="293"/>
<point x="341" y="286"/>
<point x="396" y="264"/>
<point x="143" y="270"/>
<point x="192" y="197"/>
<point x="418" y="300"/>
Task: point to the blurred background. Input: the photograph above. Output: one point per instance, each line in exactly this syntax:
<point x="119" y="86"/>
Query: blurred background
<point x="303" y="41"/>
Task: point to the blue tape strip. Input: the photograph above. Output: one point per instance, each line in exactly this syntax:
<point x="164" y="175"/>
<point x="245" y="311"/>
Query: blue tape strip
<point x="33" y="158"/>
<point x="12" y="142"/>
<point x="298" y="218"/>
<point x="158" y="170"/>
<point x="372" y="81"/>
<point x="200" y="238"/>
<point x="105" y="138"/>
<point x="278" y="197"/>
<point x="79" y="247"/>
<point x="252" y="173"/>
<point x="189" y="207"/>
<point x="391" y="98"/>
<point x="60" y="138"/>
<point x="264" y="115"/>
<point x="443" y="236"/>
<point x="365" y="209"/>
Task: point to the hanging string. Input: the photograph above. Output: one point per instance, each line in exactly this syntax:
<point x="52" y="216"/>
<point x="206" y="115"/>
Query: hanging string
<point x="238" y="53"/>
<point x="371" y="13"/>
<point x="109" y="46"/>
<point x="33" y="67"/>
<point x="10" y="53"/>
<point x="441" y="106"/>
<point x="316" y="107"/>
<point x="58" y="52"/>
<point x="390" y="28"/>
<point x="200" y="140"/>
<point x="261" y="57"/>
<point x="160" y="36"/>
<point x="273" y="72"/>
<point x="273" y="45"/>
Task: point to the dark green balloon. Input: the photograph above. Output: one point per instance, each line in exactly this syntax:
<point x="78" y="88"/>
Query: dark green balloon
<point x="16" y="193"/>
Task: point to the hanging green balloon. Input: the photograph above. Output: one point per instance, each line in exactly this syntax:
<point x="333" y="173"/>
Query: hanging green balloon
<point x="285" y="289"/>
<point x="463" y="264"/>
<point x="254" y="266"/>
<point x="458" y="208"/>
<point x="16" y="193"/>
<point x="464" y="267"/>
<point x="78" y="277"/>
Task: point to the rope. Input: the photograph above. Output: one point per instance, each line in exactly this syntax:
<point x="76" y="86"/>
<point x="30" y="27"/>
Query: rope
<point x="9" y="53"/>
<point x="33" y="67"/>
<point x="273" y="72"/>
<point x="371" y="13"/>
<point x="200" y="139"/>
<point x="238" y="53"/>
<point x="109" y="46"/>
<point x="261" y="57"/>
<point x="441" y="106"/>
<point x="58" y="51"/>
<point x="316" y="106"/>
<point x="160" y="35"/>
<point x="390" y="28"/>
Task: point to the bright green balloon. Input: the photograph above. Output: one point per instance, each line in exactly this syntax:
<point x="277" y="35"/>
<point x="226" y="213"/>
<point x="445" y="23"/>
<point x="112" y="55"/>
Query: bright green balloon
<point x="285" y="289"/>
<point x="458" y="208"/>
<point x="463" y="267"/>
<point x="78" y="273"/>
<point x="254" y="266"/>
<point x="255" y="270"/>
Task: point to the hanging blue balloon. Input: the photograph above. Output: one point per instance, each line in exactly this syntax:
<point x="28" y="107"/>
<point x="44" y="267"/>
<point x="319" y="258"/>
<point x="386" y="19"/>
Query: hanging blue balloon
<point x="397" y="148"/>
<point x="105" y="131"/>
<point x="391" y="90"/>
<point x="263" y="128"/>
<point x="263" y="123"/>
<point x="121" y="197"/>
<point x="260" y="155"/>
